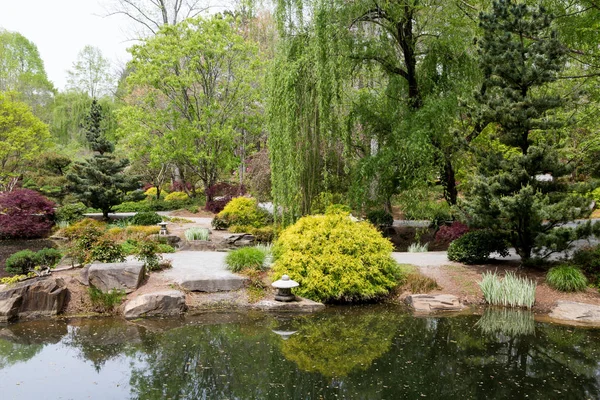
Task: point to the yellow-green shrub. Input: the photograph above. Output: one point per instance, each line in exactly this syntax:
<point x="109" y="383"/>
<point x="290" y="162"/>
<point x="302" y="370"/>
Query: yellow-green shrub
<point x="141" y="231"/>
<point x="176" y="196"/>
<point x="151" y="193"/>
<point x="79" y="228"/>
<point x="244" y="211"/>
<point x="335" y="259"/>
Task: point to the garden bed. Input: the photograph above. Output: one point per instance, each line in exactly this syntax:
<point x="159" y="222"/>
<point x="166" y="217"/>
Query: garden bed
<point x="9" y="247"/>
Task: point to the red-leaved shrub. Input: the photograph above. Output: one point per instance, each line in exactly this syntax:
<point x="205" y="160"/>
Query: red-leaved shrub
<point x="449" y="233"/>
<point x="219" y="194"/>
<point x="25" y="214"/>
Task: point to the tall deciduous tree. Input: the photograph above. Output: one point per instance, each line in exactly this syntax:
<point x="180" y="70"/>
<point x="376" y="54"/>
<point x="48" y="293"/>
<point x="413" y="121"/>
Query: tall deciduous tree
<point x="520" y="189"/>
<point x="189" y="85"/>
<point x="99" y="181"/>
<point x="22" y="138"/>
<point x="91" y="73"/>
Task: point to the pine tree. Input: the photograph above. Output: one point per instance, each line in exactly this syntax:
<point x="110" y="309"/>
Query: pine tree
<point x="99" y="181"/>
<point x="521" y="187"/>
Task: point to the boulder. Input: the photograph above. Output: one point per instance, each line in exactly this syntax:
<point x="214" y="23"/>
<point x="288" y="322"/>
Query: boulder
<point x="429" y="303"/>
<point x="157" y="304"/>
<point x="32" y="299"/>
<point x="577" y="312"/>
<point x="126" y="276"/>
<point x="239" y="240"/>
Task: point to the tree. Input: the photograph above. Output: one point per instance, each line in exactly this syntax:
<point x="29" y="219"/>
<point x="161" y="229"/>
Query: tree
<point x="151" y="15"/>
<point x="520" y="189"/>
<point x="23" y="137"/>
<point x="99" y="181"/>
<point x="189" y="85"/>
<point x="91" y="73"/>
<point x="22" y="71"/>
<point x="25" y="214"/>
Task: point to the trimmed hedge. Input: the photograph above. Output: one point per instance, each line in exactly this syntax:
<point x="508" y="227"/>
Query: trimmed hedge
<point x="475" y="247"/>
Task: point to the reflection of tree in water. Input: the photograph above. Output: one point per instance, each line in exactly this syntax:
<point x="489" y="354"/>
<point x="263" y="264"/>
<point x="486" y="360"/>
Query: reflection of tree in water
<point x="100" y="340"/>
<point x="13" y="353"/>
<point x="335" y="345"/>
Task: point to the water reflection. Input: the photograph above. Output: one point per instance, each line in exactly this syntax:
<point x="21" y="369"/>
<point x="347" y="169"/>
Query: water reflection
<point x="352" y="353"/>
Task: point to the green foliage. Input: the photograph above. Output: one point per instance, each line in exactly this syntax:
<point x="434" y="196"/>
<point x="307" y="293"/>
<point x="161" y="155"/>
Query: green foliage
<point x="106" y="250"/>
<point x="323" y="200"/>
<point x="423" y="203"/>
<point x="197" y="234"/>
<point x="566" y="278"/>
<point x="418" y="248"/>
<point x="512" y="291"/>
<point x="218" y="223"/>
<point x="338" y="209"/>
<point x="475" y="247"/>
<point x="156" y="205"/>
<point x="415" y="281"/>
<point x="153" y="193"/>
<point x="148" y="252"/>
<point x="106" y="302"/>
<point x="244" y="211"/>
<point x="380" y="218"/>
<point x="508" y="322"/>
<point x="21" y="262"/>
<point x="71" y="212"/>
<point x="588" y="260"/>
<point x="146" y="218"/>
<point x="335" y="259"/>
<point x="22" y="135"/>
<point x="176" y="196"/>
<point x="48" y="257"/>
<point x="246" y="258"/>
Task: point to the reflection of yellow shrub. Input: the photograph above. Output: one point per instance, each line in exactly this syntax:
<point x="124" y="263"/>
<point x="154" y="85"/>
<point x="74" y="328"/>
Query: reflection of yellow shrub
<point x="176" y="196"/>
<point x="335" y="259"/>
<point x="335" y="346"/>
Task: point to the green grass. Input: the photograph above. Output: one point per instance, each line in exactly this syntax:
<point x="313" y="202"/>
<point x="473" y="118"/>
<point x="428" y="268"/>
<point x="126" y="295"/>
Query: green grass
<point x="566" y="278"/>
<point x="197" y="234"/>
<point x="512" y="291"/>
<point x="246" y="258"/>
<point x="106" y="302"/>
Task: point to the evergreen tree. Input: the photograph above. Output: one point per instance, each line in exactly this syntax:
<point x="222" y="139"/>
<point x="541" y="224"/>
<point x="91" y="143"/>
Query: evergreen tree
<point x="99" y="181"/>
<point x="521" y="188"/>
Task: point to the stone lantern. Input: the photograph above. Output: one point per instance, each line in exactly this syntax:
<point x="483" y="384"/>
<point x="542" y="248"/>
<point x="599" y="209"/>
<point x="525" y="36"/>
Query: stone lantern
<point x="163" y="228"/>
<point x="284" y="288"/>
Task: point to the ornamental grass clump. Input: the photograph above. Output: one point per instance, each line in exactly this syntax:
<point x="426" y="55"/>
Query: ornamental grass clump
<point x="246" y="258"/>
<point x="512" y="291"/>
<point x="566" y="278"/>
<point x="335" y="259"/>
<point x="197" y="234"/>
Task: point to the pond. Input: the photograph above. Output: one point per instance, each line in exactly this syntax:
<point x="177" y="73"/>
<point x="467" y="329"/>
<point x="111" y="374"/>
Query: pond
<point x="369" y="352"/>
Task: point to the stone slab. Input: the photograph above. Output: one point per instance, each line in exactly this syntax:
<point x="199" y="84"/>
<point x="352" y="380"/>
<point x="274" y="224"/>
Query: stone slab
<point x="32" y="299"/>
<point x="299" y="305"/>
<point x="434" y="303"/>
<point x="157" y="304"/>
<point x="126" y="276"/>
<point x="213" y="284"/>
<point x="577" y="312"/>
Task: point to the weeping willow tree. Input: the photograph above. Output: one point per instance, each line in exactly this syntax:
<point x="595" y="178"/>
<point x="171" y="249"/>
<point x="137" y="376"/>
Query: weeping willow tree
<point x="383" y="80"/>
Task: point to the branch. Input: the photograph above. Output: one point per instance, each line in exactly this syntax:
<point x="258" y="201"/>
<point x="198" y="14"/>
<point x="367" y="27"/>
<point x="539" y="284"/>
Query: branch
<point x="388" y="66"/>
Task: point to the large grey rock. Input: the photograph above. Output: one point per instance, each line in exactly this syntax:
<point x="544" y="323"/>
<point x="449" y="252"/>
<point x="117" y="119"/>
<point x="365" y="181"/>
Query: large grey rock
<point x="126" y="276"/>
<point x="32" y="299"/>
<point x="239" y="240"/>
<point x="157" y="304"/>
<point x="578" y="312"/>
<point x="213" y="284"/>
<point x="429" y="303"/>
<point x="300" y="305"/>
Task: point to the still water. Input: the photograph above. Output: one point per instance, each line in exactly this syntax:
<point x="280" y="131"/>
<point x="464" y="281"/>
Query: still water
<point x="371" y="352"/>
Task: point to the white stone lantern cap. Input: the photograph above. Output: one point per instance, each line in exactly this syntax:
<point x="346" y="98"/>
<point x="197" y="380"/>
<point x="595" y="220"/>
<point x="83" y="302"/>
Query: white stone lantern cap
<point x="285" y="283"/>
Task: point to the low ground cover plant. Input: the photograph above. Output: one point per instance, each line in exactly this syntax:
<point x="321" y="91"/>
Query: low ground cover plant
<point x="511" y="291"/>
<point x="335" y="259"/>
<point x="566" y="278"/>
<point x="197" y="234"/>
<point x="246" y="258"/>
<point x="477" y="246"/>
<point x="105" y="302"/>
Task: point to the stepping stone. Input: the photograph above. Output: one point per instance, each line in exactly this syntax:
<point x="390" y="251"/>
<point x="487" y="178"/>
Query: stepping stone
<point x="430" y="303"/>
<point x="573" y="311"/>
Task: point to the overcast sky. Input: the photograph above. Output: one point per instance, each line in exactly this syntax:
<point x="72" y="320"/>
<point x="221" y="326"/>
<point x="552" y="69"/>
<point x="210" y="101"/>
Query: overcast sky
<point x="61" y="28"/>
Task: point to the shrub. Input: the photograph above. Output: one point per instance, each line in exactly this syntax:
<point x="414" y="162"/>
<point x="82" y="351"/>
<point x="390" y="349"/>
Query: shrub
<point x="380" y="218"/>
<point x="588" y="260"/>
<point x="246" y="258"/>
<point x="219" y="194"/>
<point x="323" y="200"/>
<point x="197" y="234"/>
<point x="175" y="196"/>
<point x="418" y="248"/>
<point x="244" y="211"/>
<point x="566" y="278"/>
<point x="240" y="229"/>
<point x="152" y="205"/>
<point x="335" y="259"/>
<point x="21" y="262"/>
<point x="146" y="218"/>
<point x="512" y="291"/>
<point x="107" y="251"/>
<point x="148" y="252"/>
<point x="218" y="223"/>
<point x="338" y="209"/>
<point x="81" y="228"/>
<point x="449" y="233"/>
<point x="26" y="214"/>
<point x="71" y="212"/>
<point x="142" y="231"/>
<point x="476" y="247"/>
<point x="105" y="302"/>
<point x="415" y="281"/>
<point x="135" y="195"/>
<point x="266" y="234"/>
<point x="151" y="193"/>
<point x="48" y="257"/>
